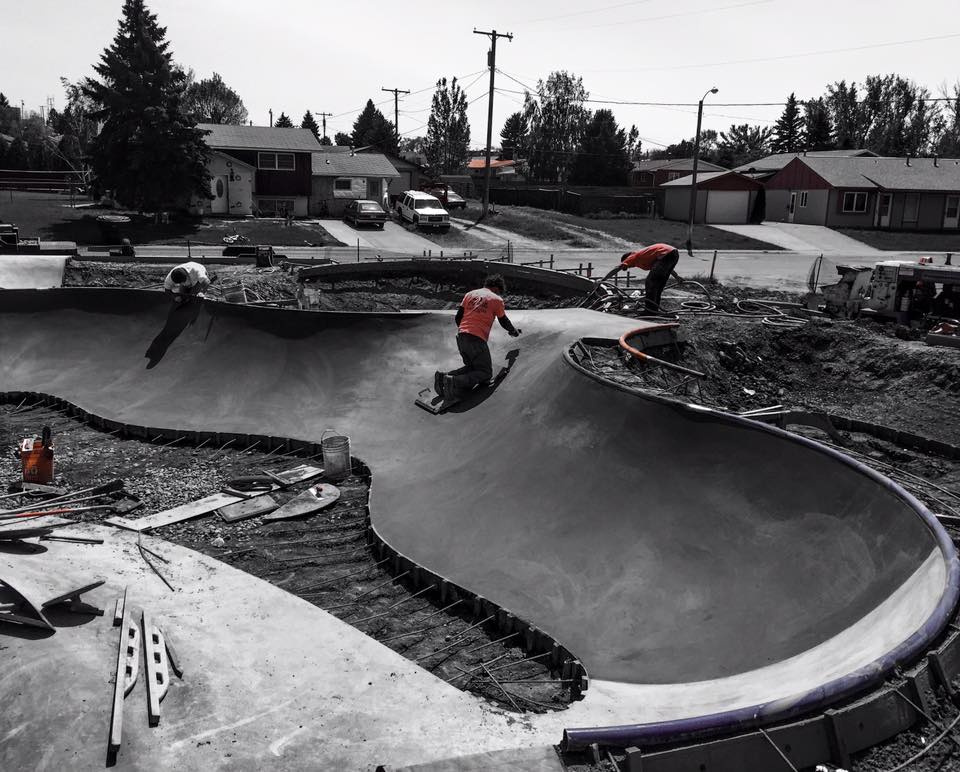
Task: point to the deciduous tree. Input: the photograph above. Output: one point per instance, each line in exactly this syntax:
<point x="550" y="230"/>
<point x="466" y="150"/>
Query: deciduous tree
<point x="212" y="101"/>
<point x="817" y="128"/>
<point x="602" y="156"/>
<point x="948" y="140"/>
<point x="448" y="130"/>
<point x="342" y="139"/>
<point x="557" y="117"/>
<point x="148" y="151"/>
<point x="742" y="143"/>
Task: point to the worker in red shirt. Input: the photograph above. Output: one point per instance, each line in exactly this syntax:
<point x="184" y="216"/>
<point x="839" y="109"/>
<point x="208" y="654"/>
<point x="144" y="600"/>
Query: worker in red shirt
<point x="474" y="319"/>
<point x="658" y="260"/>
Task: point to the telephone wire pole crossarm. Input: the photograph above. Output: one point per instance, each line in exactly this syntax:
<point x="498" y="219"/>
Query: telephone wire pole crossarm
<point x="492" y="63"/>
<point x="396" y="110"/>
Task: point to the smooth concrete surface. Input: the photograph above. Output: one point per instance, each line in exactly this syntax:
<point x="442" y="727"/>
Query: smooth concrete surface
<point x="695" y="564"/>
<point x="31" y="271"/>
<point x="801" y="238"/>
<point x="393" y="237"/>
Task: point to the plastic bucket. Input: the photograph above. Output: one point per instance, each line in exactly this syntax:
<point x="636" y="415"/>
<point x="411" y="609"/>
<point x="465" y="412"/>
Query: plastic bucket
<point x="336" y="456"/>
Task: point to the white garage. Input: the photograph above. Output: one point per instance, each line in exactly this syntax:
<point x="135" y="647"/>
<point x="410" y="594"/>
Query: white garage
<point x="728" y="206"/>
<point x="723" y="198"/>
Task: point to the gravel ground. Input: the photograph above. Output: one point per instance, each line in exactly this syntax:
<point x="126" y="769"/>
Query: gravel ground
<point x="323" y="558"/>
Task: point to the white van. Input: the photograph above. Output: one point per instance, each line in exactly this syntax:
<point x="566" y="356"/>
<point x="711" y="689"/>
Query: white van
<point x="423" y="210"/>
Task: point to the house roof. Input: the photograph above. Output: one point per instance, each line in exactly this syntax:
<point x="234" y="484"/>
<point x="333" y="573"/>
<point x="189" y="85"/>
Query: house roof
<point x="481" y="163"/>
<point x="258" y="138"/>
<point x="711" y="179"/>
<point x="887" y="173"/>
<point x="338" y="164"/>
<point x="777" y="161"/>
<point x="677" y="164"/>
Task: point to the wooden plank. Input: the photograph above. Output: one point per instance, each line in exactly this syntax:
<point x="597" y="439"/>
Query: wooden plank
<point x="177" y="514"/>
<point x="311" y="500"/>
<point x="248" y="508"/>
<point x="157" y="674"/>
<point x="299" y="474"/>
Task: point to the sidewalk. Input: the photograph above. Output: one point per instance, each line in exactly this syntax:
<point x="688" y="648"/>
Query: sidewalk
<point x="801" y="238"/>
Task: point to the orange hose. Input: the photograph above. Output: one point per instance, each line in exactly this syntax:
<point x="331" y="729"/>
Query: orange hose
<point x="638" y="354"/>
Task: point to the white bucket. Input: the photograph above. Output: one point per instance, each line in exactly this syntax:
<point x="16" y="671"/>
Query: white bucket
<point x="336" y="456"/>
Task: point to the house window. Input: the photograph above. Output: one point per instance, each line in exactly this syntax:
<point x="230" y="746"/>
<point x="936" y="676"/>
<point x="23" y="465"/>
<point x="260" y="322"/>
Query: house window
<point x="674" y="176"/>
<point x="803" y="199"/>
<point x="274" y="207"/>
<point x="854" y="202"/>
<point x="278" y="161"/>
<point x="343" y="183"/>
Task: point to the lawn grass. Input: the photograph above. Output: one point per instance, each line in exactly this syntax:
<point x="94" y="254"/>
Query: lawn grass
<point x="50" y="216"/>
<point x="905" y="241"/>
<point x="547" y="225"/>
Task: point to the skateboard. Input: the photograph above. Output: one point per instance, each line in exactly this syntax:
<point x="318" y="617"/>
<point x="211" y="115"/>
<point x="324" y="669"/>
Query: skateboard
<point x="432" y="402"/>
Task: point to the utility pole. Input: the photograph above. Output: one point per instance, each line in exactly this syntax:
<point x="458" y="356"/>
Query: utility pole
<point x="323" y="117"/>
<point x="492" y="63"/>
<point x="693" y="180"/>
<point x="396" y="110"/>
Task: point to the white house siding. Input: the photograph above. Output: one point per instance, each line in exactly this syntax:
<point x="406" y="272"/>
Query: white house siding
<point x="236" y="184"/>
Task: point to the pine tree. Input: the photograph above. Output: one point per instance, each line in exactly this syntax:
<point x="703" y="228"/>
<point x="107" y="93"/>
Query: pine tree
<point x="325" y="141"/>
<point x="309" y="122"/>
<point x="148" y="151"/>
<point x="788" y="130"/>
<point x="448" y="131"/>
<point x="602" y="155"/>
<point x="372" y="129"/>
<point x="513" y="137"/>
<point x="818" y="131"/>
<point x="283" y="122"/>
<point x="18" y="156"/>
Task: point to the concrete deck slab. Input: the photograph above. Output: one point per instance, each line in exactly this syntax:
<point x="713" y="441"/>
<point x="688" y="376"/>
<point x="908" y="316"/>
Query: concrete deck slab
<point x="703" y="568"/>
<point x="31" y="271"/>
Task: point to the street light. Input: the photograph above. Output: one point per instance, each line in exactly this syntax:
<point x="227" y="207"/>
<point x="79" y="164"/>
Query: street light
<point x="693" y="183"/>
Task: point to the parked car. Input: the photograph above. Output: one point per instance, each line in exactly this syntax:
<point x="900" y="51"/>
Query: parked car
<point x="423" y="210"/>
<point x="363" y="212"/>
<point x="448" y="197"/>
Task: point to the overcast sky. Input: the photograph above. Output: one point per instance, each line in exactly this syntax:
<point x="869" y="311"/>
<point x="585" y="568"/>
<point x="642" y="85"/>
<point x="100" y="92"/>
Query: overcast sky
<point x="294" y="55"/>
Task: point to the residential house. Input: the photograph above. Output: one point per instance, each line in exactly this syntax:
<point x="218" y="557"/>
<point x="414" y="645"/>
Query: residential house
<point x="764" y="168"/>
<point x="867" y="192"/>
<point x="649" y="174"/>
<point x="501" y="171"/>
<point x="410" y="175"/>
<point x="340" y="176"/>
<point x="258" y="170"/>
<point x="723" y="197"/>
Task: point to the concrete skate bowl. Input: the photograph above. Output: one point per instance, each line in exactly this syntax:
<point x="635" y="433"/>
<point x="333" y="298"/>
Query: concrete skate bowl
<point x="709" y="572"/>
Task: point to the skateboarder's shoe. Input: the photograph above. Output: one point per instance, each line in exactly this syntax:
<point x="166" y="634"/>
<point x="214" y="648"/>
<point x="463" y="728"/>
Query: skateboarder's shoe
<point x="438" y="382"/>
<point x="449" y="389"/>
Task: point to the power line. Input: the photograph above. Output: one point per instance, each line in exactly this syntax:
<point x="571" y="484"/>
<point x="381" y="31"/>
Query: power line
<point x="584" y="13"/>
<point x="684" y="14"/>
<point x="396" y="111"/>
<point x="782" y="57"/>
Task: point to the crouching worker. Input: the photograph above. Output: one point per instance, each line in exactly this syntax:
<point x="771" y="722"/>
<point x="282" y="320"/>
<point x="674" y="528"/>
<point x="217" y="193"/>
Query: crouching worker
<point x="658" y="260"/>
<point x="186" y="281"/>
<point x="474" y="319"/>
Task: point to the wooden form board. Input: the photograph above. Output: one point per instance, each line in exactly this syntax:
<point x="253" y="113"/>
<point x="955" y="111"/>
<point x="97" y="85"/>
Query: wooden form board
<point x="205" y="505"/>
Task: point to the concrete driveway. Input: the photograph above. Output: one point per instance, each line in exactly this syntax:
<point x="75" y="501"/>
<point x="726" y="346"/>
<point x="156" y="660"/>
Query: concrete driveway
<point x="393" y="237"/>
<point x="801" y="238"/>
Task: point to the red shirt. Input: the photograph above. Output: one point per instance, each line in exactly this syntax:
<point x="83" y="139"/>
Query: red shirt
<point x="480" y="307"/>
<point x="646" y="257"/>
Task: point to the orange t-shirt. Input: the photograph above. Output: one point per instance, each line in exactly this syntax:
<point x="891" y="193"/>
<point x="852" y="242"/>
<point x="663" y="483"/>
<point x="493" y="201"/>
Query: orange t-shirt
<point x="480" y="307"/>
<point x="646" y="257"/>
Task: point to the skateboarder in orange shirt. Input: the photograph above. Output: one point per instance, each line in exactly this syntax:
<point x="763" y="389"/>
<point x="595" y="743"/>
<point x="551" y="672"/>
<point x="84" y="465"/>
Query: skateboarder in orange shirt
<point x="474" y="319"/>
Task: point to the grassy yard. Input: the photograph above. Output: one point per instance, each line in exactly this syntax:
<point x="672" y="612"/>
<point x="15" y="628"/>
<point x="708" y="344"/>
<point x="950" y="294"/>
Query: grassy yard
<point x="574" y="230"/>
<point x="905" y="241"/>
<point x="50" y="216"/>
